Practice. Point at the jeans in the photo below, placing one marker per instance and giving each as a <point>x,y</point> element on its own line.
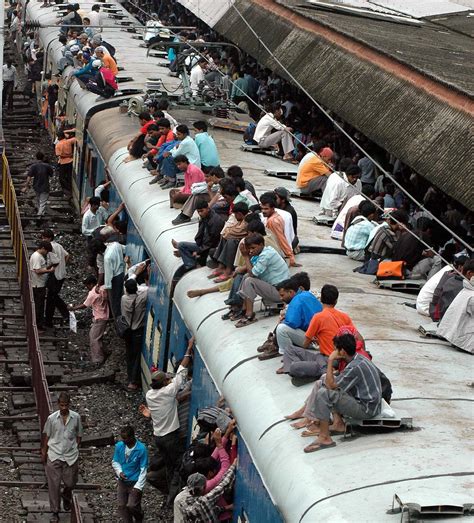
<point>186,250</point>
<point>65,178</point>
<point>54,301</point>
<point>234,297</point>
<point>168,167</point>
<point>133,347</point>
<point>39,295</point>
<point>116,295</point>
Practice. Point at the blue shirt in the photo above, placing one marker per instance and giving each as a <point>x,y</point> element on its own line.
<point>132,462</point>
<point>301,309</point>
<point>207,150</point>
<point>269,266</point>
<point>189,148</point>
<point>357,234</point>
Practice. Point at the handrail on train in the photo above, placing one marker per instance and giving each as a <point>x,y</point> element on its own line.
<point>38,374</point>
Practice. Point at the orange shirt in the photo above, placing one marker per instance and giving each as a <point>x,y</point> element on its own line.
<point>276,224</point>
<point>324,326</point>
<point>65,149</point>
<point>109,62</point>
<point>312,168</point>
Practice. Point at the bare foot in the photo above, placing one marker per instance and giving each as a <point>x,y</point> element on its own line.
<point>176,253</point>
<point>281,370</point>
<point>129,159</point>
<point>301,424</point>
<point>174,243</point>
<point>296,415</point>
<point>194,294</point>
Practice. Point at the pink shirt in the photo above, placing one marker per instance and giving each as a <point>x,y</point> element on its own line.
<point>192,175</point>
<point>98,303</point>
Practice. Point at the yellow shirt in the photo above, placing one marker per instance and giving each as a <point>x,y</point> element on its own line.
<point>312,168</point>
<point>109,62</point>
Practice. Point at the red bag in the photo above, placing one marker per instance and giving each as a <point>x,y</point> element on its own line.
<point>391,270</point>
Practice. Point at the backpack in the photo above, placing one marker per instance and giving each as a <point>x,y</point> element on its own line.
<point>211,418</point>
<point>195,451</point>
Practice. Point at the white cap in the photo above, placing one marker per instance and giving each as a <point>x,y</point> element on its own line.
<point>96,63</point>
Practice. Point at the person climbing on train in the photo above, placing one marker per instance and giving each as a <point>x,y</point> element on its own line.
<point>162,408</point>
<point>186,147</point>
<point>130,464</point>
<point>114,269</point>
<point>64,150</point>
<point>61,437</point>
<point>193,176</point>
<point>355,393</point>
<point>265,268</point>
<point>304,362</point>
<point>95,217</point>
<point>208,236</point>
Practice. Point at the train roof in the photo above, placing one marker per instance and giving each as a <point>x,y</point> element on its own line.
<point>431,380</point>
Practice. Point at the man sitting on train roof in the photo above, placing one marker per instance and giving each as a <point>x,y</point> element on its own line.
<point>104,83</point>
<point>234,172</point>
<point>264,269</point>
<point>136,144</point>
<point>340,186</point>
<point>165,136</point>
<point>102,54</point>
<point>186,147</point>
<point>234,230</point>
<point>301,306</point>
<point>270,132</point>
<point>314,169</point>
<point>301,361</point>
<point>282,196</point>
<point>355,393</point>
<point>206,145</point>
<point>193,178</point>
<point>207,238</point>
<point>212,179</point>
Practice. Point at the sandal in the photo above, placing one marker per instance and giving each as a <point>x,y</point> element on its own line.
<point>222,278</point>
<point>214,274</point>
<point>311,431</point>
<point>313,447</point>
<point>246,320</point>
<point>227,315</point>
<point>236,315</point>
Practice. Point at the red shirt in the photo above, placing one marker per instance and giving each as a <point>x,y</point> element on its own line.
<point>192,175</point>
<point>165,138</point>
<point>144,129</point>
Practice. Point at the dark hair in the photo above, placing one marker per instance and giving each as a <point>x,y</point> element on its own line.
<point>131,286</point>
<point>96,247</point>
<point>163,104</point>
<point>152,127</point>
<point>353,170</point>
<point>255,225</point>
<point>400,216</point>
<point>45,245</point>
<point>206,465</point>
<point>424,223</point>
<point>241,207</point>
<point>239,184</point>
<point>48,233</point>
<point>64,396</point>
<point>145,115</point>
<point>182,129</point>
<point>329,294</point>
<point>268,198</point>
<point>181,158</point>
<point>468,266</point>
<point>94,200</point>
<point>218,172</point>
<point>228,189</point>
<point>302,279</point>
<point>367,208</point>
<point>201,125</point>
<point>105,195</point>
<point>201,204</point>
<point>95,7</point>
<point>128,430</point>
<point>288,285</point>
<point>346,342</point>
<point>317,146</point>
<point>90,280</point>
<point>254,239</point>
<point>275,106</point>
<point>234,171</point>
<point>345,163</point>
<point>60,134</point>
<point>163,122</point>
<point>40,156</point>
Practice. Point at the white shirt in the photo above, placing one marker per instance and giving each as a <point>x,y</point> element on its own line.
<point>9,74</point>
<point>95,19</point>
<point>425,295</point>
<point>173,122</point>
<point>265,126</point>
<point>58,256</point>
<point>163,405</point>
<point>289,230</point>
<point>197,76</point>
<point>38,261</point>
<point>91,221</point>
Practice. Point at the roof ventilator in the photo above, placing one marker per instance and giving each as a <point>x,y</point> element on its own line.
<point>416,511</point>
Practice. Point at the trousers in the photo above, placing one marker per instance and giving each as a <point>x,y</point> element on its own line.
<point>253,287</point>
<point>286,336</point>
<point>304,363</point>
<point>171,450</point>
<point>129,503</point>
<point>133,352</point>
<point>116,295</point>
<point>186,250</point>
<point>65,178</point>
<point>340,402</point>
<point>57,471</point>
<point>315,184</point>
<point>96,333</point>
<point>39,295</point>
<point>54,301</point>
<point>277,137</point>
<point>41,201</point>
<point>190,206</point>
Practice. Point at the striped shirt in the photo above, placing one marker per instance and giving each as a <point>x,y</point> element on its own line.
<point>381,247</point>
<point>361,380</point>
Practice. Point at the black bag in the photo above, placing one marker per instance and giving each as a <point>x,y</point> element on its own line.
<point>122,327</point>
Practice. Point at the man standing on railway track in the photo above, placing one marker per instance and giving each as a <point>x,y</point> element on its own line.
<point>65,152</point>
<point>38,176</point>
<point>39,275</point>
<point>10,81</point>
<point>62,434</point>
